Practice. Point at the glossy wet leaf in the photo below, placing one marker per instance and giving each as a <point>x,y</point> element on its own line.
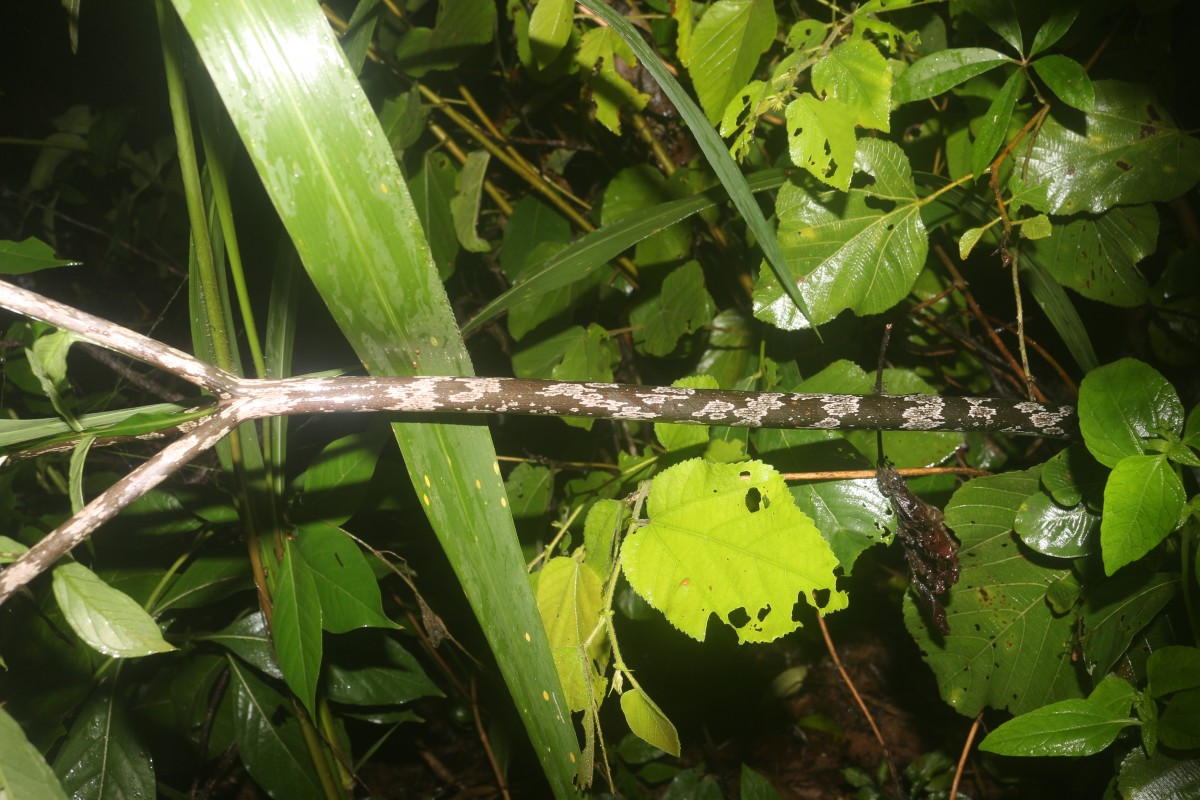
<point>432,190</point>
<point>1127,150</point>
<point>107,620</point>
<point>104,754</point>
<point>1055,530</point>
<point>942,71</point>
<point>269,739</point>
<point>1062,16</point>
<point>1073,476</point>
<point>648,721</point>
<point>1097,256</point>
<point>296,627</point>
<point>1006,647</point>
<point>249,639</point>
<point>1143,500</point>
<point>681,307</point>
<point>726,45</point>
<point>345,587</point>
<point>29,255</point>
<point>1067,78</point>
<point>727,538</point>
<point>24,774</point>
<point>852,515</point>
<point>1123,404</point>
<point>1067,728</point>
<point>207,580</point>
<point>1160,777</point>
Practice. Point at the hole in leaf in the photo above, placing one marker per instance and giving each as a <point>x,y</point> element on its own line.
<point>821,597</point>
<point>879,204</point>
<point>755,500</point>
<point>833,167</point>
<point>738,618</point>
<point>763,612</point>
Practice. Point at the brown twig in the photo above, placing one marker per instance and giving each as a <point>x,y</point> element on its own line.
<point>863,474</point>
<point>487,745</point>
<point>837,662</point>
<point>962,759</point>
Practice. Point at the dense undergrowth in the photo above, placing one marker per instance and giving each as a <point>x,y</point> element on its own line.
<point>732,195</point>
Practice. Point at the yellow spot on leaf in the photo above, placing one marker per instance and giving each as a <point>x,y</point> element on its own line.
<point>545,695</point>
<point>427,481</point>
<point>504,502</point>
<point>496,467</point>
<point>528,638</point>
<point>572,755</point>
<point>425,497</point>
<point>383,188</point>
<point>433,341</point>
<point>478,485</point>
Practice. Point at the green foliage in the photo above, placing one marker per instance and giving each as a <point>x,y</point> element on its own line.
<point>542,167</point>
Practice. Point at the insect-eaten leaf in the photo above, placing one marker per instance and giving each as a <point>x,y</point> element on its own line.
<point>729,539</point>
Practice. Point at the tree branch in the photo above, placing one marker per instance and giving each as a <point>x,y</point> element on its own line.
<point>240,400</point>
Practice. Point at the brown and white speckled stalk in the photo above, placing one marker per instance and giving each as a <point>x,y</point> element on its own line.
<point>239,400</point>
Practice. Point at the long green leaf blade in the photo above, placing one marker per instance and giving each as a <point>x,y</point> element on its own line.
<point>710,144</point>
<point>595,249</point>
<point>326,163</point>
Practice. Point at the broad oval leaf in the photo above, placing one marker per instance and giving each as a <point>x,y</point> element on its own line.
<point>1142,504</point>
<point>726,538</point>
<point>550,29</point>
<point>1055,530</point>
<point>726,45</point>
<point>1097,256</point>
<point>942,71</point>
<point>682,307</point>
<point>1069,728</point>
<point>103,755</point>
<point>345,585</point>
<point>250,640</point>
<point>648,722</point>
<point>1006,647</point>
<point>821,139</point>
<point>1067,78</point>
<point>857,74</point>
<point>570,599</point>
<point>106,619</point>
<point>373,669</point>
<point>1177,726</point>
<point>1116,610</point>
<point>1127,150</point>
<point>29,255</point>
<point>1171,669</point>
<point>851,515</point>
<point>1160,777</point>
<point>269,740</point>
<point>1121,405</point>
<point>861,251</point>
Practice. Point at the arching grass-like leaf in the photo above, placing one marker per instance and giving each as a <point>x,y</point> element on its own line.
<point>327,166</point>
<point>715,152</point>
<point>590,252</point>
